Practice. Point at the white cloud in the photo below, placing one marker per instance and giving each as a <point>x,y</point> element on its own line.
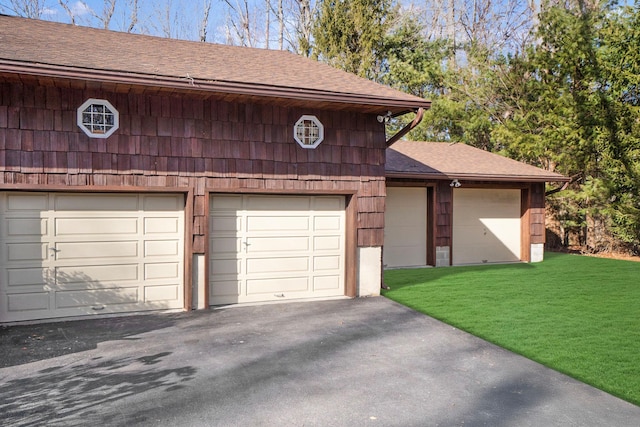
<point>80,8</point>
<point>47,11</point>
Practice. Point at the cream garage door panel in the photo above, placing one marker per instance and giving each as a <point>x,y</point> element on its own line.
<point>78,254</point>
<point>266,248</point>
<point>486,226</point>
<point>405,227</point>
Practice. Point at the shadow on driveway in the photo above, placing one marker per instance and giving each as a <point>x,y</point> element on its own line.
<point>29,343</point>
<point>327,363</point>
<point>84,388</point>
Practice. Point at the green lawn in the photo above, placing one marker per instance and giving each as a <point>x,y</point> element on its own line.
<point>578,315</point>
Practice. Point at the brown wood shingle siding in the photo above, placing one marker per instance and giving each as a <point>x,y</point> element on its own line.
<point>537,213</point>
<point>444,214</point>
<point>180,142</point>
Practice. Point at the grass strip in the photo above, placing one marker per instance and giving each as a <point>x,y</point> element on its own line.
<point>578,315</point>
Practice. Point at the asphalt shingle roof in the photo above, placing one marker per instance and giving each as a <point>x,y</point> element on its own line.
<point>443,160</point>
<point>101,54</point>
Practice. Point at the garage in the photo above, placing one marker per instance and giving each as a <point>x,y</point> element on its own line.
<point>481,207</point>
<point>486,225</point>
<point>405,233</point>
<point>275,247</point>
<point>77,254</point>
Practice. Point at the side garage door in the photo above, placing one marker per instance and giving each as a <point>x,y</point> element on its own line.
<point>267,248</point>
<point>80,254</point>
<point>405,227</point>
<point>486,226</point>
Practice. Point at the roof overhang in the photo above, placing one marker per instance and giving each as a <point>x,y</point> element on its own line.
<point>476,177</point>
<point>219,88</point>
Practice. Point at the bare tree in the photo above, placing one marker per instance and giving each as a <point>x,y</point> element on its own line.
<point>78,8</point>
<point>239,23</point>
<point>280,25</point>
<point>267,24</point>
<point>133,16</point>
<point>204,23</point>
<point>177,19</point>
<point>497,25</point>
<point>279,12</point>
<point>437,16</point>
<point>168,21</point>
<point>299,38</point>
<point>107,13</point>
<point>26,8</point>
<point>79,12</point>
<point>70,12</point>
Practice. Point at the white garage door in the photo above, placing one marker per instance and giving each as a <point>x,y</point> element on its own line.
<point>486,226</point>
<point>405,227</point>
<point>79,254</point>
<point>266,248</point>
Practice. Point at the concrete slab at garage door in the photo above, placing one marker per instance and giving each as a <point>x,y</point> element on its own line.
<point>83,254</point>
<point>405,227</point>
<point>486,226</point>
<point>266,248</point>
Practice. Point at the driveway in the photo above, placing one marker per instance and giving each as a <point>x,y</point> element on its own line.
<point>361,362</point>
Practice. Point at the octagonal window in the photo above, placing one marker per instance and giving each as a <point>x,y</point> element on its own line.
<point>98,118</point>
<point>308,132</point>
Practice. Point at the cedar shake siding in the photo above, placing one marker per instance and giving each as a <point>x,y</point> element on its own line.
<point>537,213</point>
<point>444,212</point>
<point>191,143</point>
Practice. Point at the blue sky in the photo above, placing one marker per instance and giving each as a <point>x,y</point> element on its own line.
<point>182,18</point>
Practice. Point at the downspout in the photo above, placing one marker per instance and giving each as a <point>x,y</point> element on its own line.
<point>402,132</point>
<point>564,186</point>
<point>558,189</point>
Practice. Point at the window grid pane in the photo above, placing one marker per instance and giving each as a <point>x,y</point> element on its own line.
<point>308,132</point>
<point>98,118</point>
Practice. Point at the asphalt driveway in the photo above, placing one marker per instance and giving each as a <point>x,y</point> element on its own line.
<point>362,362</point>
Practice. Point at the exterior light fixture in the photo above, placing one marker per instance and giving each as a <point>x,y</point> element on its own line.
<point>385,118</point>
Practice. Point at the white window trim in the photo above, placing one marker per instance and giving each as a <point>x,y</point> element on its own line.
<point>300,122</point>
<point>104,103</point>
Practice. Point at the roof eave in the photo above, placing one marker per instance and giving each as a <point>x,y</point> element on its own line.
<point>398,106</point>
<point>477,177</point>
